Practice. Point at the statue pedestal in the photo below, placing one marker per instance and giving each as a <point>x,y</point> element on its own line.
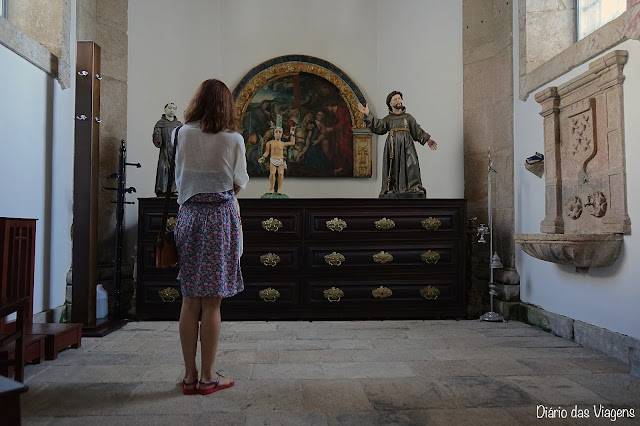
<point>269,195</point>
<point>403,195</point>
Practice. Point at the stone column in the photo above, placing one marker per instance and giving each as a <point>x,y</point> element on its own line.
<point>550,102</point>
<point>617,221</point>
<point>488,123</point>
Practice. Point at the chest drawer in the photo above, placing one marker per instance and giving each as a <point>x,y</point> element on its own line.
<point>382,292</point>
<point>279,224</point>
<point>270,260</point>
<point>150,223</point>
<point>409,223</point>
<point>383,258</point>
<point>268,294</point>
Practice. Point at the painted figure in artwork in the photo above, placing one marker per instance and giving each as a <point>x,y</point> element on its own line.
<point>343,137</point>
<point>302,139</point>
<point>275,149</point>
<point>257,122</point>
<point>400,168</point>
<point>162,139</point>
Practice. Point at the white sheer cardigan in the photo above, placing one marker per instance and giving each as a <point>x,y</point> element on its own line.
<point>208,162</point>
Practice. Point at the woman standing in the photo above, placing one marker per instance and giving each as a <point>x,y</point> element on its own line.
<point>211,169</point>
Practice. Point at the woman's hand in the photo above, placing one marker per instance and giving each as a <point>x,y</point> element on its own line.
<point>236,188</point>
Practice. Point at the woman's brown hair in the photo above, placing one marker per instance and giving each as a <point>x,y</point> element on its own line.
<point>213,106</point>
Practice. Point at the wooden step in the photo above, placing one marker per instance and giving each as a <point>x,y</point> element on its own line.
<point>34,352</point>
<point>59,336</point>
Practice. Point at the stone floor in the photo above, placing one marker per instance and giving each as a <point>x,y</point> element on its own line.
<point>335,373</point>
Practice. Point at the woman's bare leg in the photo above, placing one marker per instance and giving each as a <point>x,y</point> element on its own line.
<point>188,327</point>
<point>209,336</point>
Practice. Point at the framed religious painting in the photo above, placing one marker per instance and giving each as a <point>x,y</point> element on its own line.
<point>315,104</point>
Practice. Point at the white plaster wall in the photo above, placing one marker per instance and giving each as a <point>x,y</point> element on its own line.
<point>605,297</point>
<point>410,45</point>
<point>36,166</point>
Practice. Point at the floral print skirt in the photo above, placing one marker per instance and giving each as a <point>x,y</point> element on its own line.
<point>207,234</point>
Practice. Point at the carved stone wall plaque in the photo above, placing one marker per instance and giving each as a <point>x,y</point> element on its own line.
<point>585,169</point>
<point>584,149</point>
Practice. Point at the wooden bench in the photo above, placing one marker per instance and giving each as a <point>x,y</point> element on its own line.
<point>17,259</point>
<point>17,337</point>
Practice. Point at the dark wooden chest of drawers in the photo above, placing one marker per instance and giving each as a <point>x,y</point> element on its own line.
<point>329,259</point>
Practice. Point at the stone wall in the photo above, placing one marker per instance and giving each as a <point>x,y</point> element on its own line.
<point>488,123</point>
<point>39,31</point>
<point>550,29</point>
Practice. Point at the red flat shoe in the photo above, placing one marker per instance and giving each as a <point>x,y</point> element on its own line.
<point>189,391</point>
<point>216,385</point>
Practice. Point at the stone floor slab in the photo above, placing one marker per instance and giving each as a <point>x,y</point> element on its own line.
<point>555,390</point>
<point>471,417</point>
<point>480,392</point>
<point>408,394</point>
<point>503,367</point>
<point>77,399</point>
<point>615,388</point>
<point>331,396</point>
<point>446,368</point>
<point>366,370</point>
<point>279,418</point>
<point>294,345</point>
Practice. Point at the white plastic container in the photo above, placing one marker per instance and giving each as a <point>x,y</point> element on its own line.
<point>102,302</point>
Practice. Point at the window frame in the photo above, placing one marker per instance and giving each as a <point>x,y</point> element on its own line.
<point>604,38</point>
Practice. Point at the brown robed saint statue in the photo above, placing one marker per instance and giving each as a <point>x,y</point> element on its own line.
<point>400,169</point>
<point>162,139</point>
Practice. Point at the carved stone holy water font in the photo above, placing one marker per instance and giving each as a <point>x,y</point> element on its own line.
<point>585,175</point>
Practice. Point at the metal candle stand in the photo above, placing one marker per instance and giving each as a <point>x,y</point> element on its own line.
<point>120,175</point>
<point>494,259</point>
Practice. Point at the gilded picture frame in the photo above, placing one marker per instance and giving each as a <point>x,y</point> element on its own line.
<point>316,99</point>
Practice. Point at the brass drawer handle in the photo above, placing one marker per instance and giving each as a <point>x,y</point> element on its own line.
<point>269,259</point>
<point>383,257</point>
<point>430,257</point>
<point>430,292</point>
<point>336,225</point>
<point>171,224</point>
<point>334,259</point>
<point>333,294</point>
<point>431,223</point>
<point>385,224</point>
<point>169,294</point>
<point>381,292</point>
<point>271,225</point>
<point>269,294</point>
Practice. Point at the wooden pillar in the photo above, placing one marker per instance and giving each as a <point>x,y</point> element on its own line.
<point>85,183</point>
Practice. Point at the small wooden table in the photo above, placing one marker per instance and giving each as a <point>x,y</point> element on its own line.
<point>10,391</point>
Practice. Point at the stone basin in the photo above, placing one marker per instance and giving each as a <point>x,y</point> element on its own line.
<point>583,251</point>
